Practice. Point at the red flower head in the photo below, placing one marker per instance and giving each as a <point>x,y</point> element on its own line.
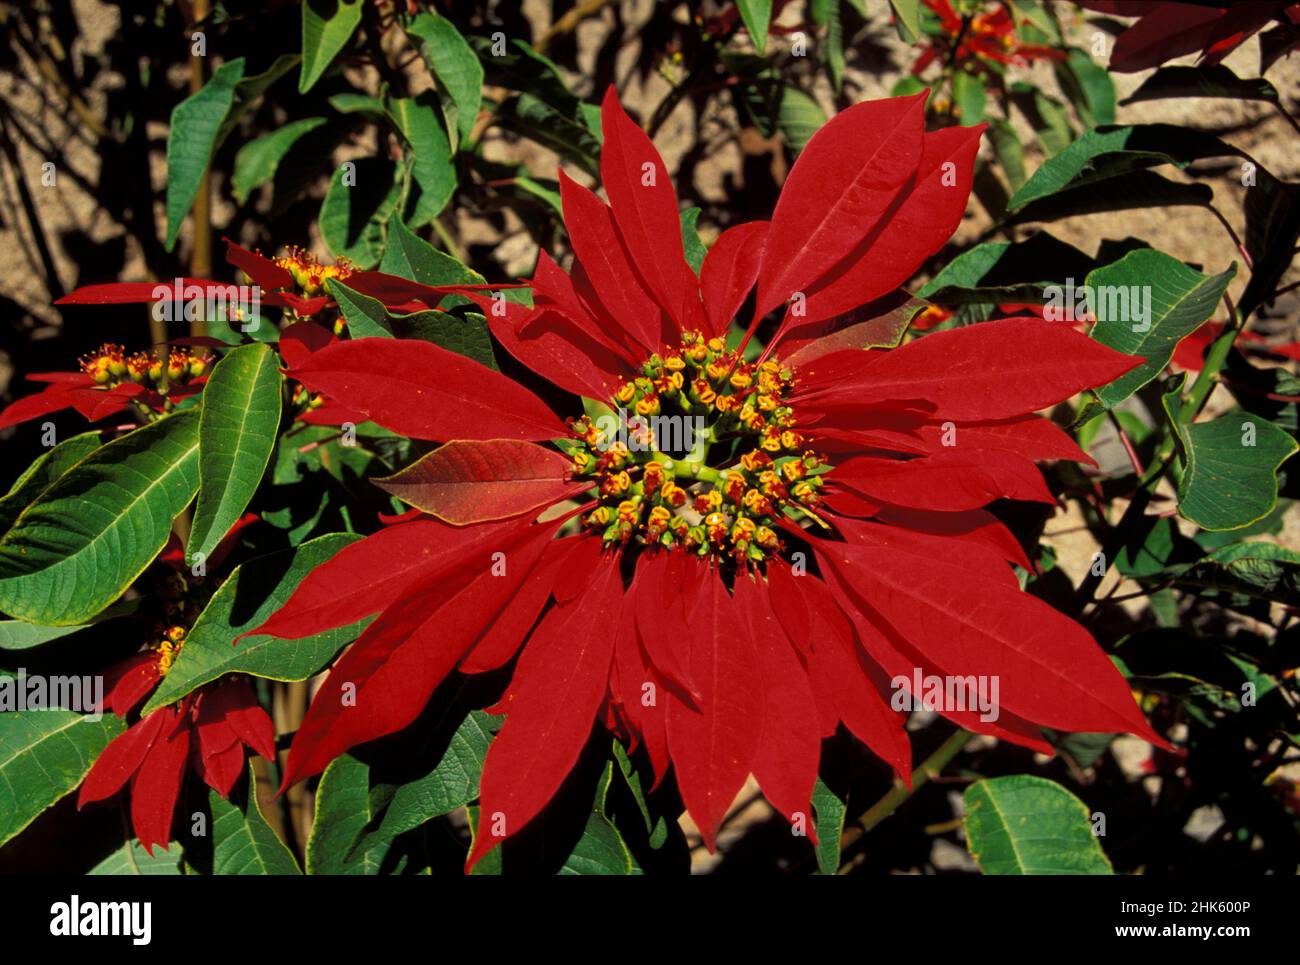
<point>209,730</point>
<point>978,39</point>
<point>728,595</point>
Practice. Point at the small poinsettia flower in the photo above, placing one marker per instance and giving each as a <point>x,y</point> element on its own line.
<point>978,38</point>
<point>110,380</point>
<point>206,732</point>
<point>1169,29</point>
<point>734,552</point>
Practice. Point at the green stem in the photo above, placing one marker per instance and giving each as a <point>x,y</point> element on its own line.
<point>929,769</point>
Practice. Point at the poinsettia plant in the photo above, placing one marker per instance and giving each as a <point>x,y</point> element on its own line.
<point>371,551</point>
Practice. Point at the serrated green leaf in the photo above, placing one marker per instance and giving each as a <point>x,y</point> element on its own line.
<point>132,859</point>
<point>327,26</point>
<point>352,217</point>
<point>1026,825</point>
<point>191,139</point>
<point>1230,475</point>
<point>1123,150</point>
<point>43,756</point>
<point>257,161</point>
<point>452,61</point>
<point>242,842</point>
<point>268,581</point>
<point>237,429</point>
<point>1178,298</point>
<point>85,540</point>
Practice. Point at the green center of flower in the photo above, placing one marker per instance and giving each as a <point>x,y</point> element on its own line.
<point>700,452</point>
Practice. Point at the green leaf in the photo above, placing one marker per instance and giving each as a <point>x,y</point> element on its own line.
<point>541,121</point>
<point>242,842</point>
<point>452,61</point>
<point>251,593</point>
<point>656,825</point>
<point>410,256</point>
<point>43,756</point>
<point>42,473</point>
<point>1258,569</point>
<point>799,118</point>
<point>600,850</point>
<point>327,26</point>
<point>1025,825</point>
<point>237,429</point>
<point>250,89</point>
<point>1089,87</point>
<point>1272,232</point>
<point>357,821</point>
<point>367,318</point>
<point>907,19</point>
<point>86,539</point>
<point>1009,151</point>
<point>257,161</point>
<point>830,811</point>
<point>1178,298</point>
<point>432,172</point>
<point>1124,150</point>
<point>1120,191</point>
<point>132,859</point>
<point>191,139</point>
<point>757,15</point>
<point>695,250</point>
<point>1046,115</point>
<point>19,635</point>
<point>1207,80</point>
<point>1230,475</point>
<point>969,96</point>
<point>352,217</point>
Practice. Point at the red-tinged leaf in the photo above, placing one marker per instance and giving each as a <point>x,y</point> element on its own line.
<point>157,785</point>
<point>575,573</point>
<point>558,687</point>
<point>554,289</point>
<point>878,324</point>
<point>847,504</point>
<point>1031,436</point>
<point>384,680</point>
<point>641,195</point>
<point>1050,670</point>
<point>424,391</point>
<point>655,597</point>
<point>123,757</point>
<point>59,395</point>
<point>975,525</point>
<point>785,765</point>
<point>993,370</point>
<point>365,577</point>
<point>971,555</point>
<point>466,482</point>
<point>136,292</point>
<point>713,747</point>
<point>644,694</point>
<point>1169,30</point>
<point>264,272</point>
<point>394,290</point>
<point>503,639</point>
<point>922,224</point>
<point>558,351</point>
<point>301,339</point>
<point>951,480</point>
<point>843,186</point>
<point>615,290</point>
<point>729,271</point>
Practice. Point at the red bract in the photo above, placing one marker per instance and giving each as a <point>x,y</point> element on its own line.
<point>208,730</point>
<point>728,599</point>
<point>989,36</point>
<point>1168,29</point>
